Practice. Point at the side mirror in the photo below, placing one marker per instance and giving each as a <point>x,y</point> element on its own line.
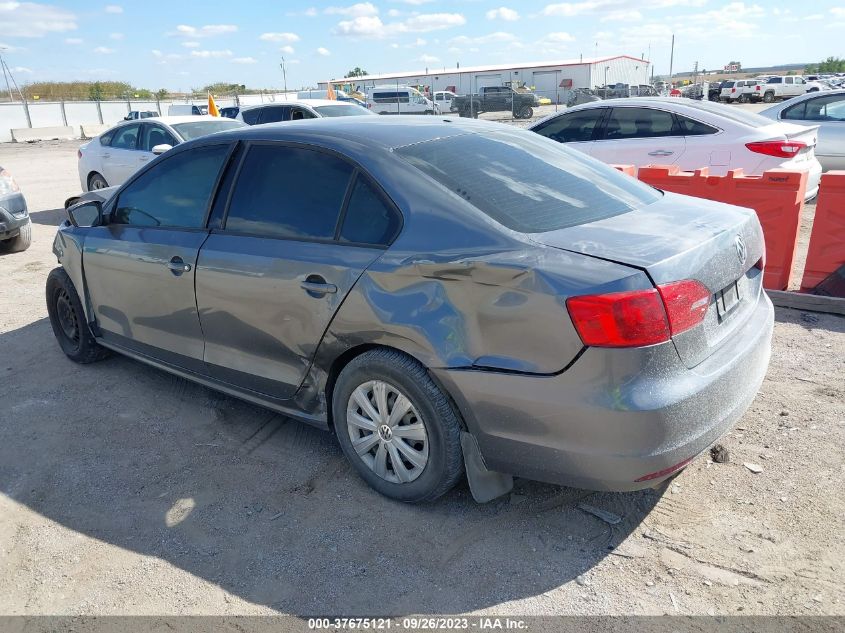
<point>86,214</point>
<point>160,149</point>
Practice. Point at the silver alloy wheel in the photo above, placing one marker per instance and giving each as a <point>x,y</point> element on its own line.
<point>387,432</point>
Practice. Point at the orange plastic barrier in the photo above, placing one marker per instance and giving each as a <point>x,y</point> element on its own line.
<point>630,170</point>
<point>826,252</point>
<point>777,196</point>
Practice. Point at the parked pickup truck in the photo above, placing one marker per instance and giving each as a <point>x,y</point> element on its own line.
<point>497,99</point>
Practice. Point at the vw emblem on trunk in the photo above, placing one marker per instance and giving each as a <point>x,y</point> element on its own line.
<point>741,252</point>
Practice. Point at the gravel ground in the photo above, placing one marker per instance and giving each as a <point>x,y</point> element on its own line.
<point>125,490</point>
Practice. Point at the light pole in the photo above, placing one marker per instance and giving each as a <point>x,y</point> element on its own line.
<point>606,68</point>
<point>284,74</point>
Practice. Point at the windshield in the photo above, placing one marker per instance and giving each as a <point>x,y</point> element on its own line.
<point>196,129</point>
<point>341,110</point>
<point>526,182</point>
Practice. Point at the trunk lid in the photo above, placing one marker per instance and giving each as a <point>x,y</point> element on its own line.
<point>679,238</point>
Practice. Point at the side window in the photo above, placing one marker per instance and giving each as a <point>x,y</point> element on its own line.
<point>788,80</point>
<point>106,137</point>
<point>572,127</point>
<point>368,219</point>
<point>126,137</point>
<point>153,135</point>
<point>288,192</point>
<point>830,108</point>
<point>274,114</point>
<point>299,114</point>
<point>173,193</point>
<point>796,112</point>
<point>638,123</point>
<point>690,127</point>
<point>776,80</point>
<point>800,80</point>
<point>250,117</point>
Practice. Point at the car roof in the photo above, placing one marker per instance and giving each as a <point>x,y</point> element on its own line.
<point>308,102</point>
<point>355,135</point>
<point>777,107</point>
<point>172,120</point>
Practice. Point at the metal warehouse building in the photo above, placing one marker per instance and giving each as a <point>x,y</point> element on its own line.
<point>549,79</point>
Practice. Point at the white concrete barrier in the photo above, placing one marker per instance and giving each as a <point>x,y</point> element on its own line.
<point>90,130</point>
<point>24,134</point>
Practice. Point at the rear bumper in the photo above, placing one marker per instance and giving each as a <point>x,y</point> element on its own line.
<point>13,215</point>
<point>615,415</point>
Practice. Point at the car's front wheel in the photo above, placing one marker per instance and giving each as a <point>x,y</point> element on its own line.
<point>20,242</point>
<point>68,320</point>
<point>397,428</point>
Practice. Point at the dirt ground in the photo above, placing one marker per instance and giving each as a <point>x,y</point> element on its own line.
<point>124,490</point>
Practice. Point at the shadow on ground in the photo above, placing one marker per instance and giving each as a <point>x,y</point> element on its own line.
<point>266,507</point>
<point>51,217</point>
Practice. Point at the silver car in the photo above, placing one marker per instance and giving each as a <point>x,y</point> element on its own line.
<point>447,295</point>
<point>827,110</point>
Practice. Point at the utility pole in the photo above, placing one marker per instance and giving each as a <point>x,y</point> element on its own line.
<point>671,60</point>
<point>5,76</point>
<point>284,74</point>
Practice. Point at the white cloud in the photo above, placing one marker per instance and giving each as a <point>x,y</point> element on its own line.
<point>571,9</point>
<point>191,44</point>
<point>115,36</point>
<point>373,27</point>
<point>428,59</point>
<point>499,37</point>
<point>358,10</point>
<point>623,15</point>
<point>103,50</point>
<point>157,53</point>
<point>838,12</point>
<point>502,13</point>
<point>560,36</point>
<point>74,40</point>
<point>30,19</point>
<point>324,52</point>
<point>244,60</point>
<point>287,50</point>
<point>394,13</point>
<point>211,54</point>
<point>209,30</point>
<point>416,2</point>
<point>113,8</point>
<point>21,69</point>
<point>279,37</point>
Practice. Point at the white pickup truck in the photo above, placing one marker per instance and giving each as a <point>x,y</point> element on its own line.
<point>783,88</point>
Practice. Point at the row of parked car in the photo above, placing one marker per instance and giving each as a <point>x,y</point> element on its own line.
<point>769,88</point>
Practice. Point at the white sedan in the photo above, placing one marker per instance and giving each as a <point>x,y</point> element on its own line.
<point>686,133</point>
<point>113,156</point>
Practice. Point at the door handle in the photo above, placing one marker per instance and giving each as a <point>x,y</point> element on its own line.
<point>661,152</point>
<point>177,266</point>
<point>316,286</point>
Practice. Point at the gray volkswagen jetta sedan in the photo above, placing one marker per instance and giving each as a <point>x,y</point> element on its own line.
<point>447,295</point>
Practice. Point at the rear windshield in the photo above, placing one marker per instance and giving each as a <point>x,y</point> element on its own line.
<point>728,84</point>
<point>526,182</point>
<point>196,129</point>
<point>733,113</point>
<point>341,110</point>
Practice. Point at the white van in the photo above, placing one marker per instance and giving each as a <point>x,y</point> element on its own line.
<point>186,109</point>
<point>399,100</point>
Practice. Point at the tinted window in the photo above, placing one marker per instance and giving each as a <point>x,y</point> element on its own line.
<point>831,108</point>
<point>572,127</point>
<point>342,110</point>
<point>368,220</point>
<point>196,129</point>
<point>775,80</point>
<point>300,114</point>
<point>126,137</point>
<point>174,192</point>
<point>274,114</point>
<point>156,135</point>
<point>690,127</point>
<point>796,112</point>
<point>638,123</point>
<point>728,84</point>
<point>526,183</point>
<point>788,80</point>
<point>106,137</point>
<point>250,117</point>
<point>288,192</point>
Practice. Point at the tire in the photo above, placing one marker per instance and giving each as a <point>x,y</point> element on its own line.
<point>743,99</point>
<point>464,113</point>
<point>526,112</point>
<point>436,441</point>
<point>68,320</point>
<point>20,242</point>
<point>769,97</point>
<point>96,181</point>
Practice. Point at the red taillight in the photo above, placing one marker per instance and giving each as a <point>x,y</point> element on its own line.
<point>781,149</point>
<point>639,317</point>
<point>686,304</point>
<point>733,89</point>
<point>757,87</point>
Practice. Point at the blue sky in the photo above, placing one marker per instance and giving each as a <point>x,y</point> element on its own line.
<point>188,43</point>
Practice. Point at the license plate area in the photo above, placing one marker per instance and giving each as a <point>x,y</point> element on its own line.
<point>727,299</point>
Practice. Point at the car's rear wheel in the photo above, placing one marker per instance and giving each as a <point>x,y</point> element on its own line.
<point>67,319</point>
<point>526,112</point>
<point>397,428</point>
<point>96,181</point>
<point>769,97</point>
<point>20,242</point>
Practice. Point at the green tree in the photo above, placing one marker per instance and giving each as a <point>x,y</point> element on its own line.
<point>95,91</point>
<point>356,72</point>
<point>162,93</point>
